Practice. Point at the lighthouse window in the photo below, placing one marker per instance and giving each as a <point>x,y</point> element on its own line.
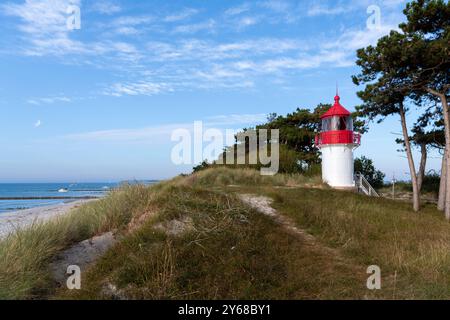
<point>326,124</point>
<point>342,124</point>
<point>337,123</point>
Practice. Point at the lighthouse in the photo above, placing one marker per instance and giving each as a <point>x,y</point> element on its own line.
<point>337,142</point>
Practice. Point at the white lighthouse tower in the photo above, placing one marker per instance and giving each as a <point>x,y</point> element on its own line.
<point>337,142</point>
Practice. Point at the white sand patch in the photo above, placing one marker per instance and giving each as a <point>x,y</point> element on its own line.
<point>82,254</point>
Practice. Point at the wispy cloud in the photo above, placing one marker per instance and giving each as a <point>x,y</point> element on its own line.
<point>237,119</point>
<point>276,5</point>
<point>185,14</point>
<point>140,88</point>
<point>49,100</point>
<point>321,9</point>
<point>45,23</point>
<point>207,26</point>
<point>133,20</point>
<point>106,7</point>
<point>149,134</point>
<point>233,11</point>
<point>37,124</point>
<point>190,52</point>
<point>247,21</point>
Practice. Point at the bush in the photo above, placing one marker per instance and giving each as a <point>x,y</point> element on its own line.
<point>366,167</point>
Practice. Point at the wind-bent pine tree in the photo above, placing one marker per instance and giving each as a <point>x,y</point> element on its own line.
<point>410,65</point>
<point>385,94</point>
<point>428,50</point>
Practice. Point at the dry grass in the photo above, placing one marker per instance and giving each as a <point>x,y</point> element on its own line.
<point>230,251</point>
<point>223,176</point>
<point>413,248</point>
<point>25,255</point>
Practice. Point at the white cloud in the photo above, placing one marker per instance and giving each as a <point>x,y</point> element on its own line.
<point>247,21</point>
<point>279,6</point>
<point>185,60</point>
<point>38,124</point>
<point>45,25</point>
<point>149,134</point>
<point>139,88</point>
<point>237,10</point>
<point>353,39</point>
<point>237,119</point>
<point>185,14</point>
<point>133,20</point>
<point>49,100</point>
<point>127,30</point>
<point>106,7</point>
<point>319,10</point>
<point>196,50</point>
<point>208,26</point>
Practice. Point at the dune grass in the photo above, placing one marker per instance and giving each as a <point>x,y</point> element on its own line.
<point>199,241</point>
<point>412,249</point>
<point>25,254</point>
<point>222,176</point>
<point>225,250</point>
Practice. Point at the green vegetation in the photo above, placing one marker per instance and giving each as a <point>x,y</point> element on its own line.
<point>365,166</point>
<point>409,68</point>
<point>25,254</point>
<point>412,250</point>
<point>403,189</point>
<point>221,249</point>
<point>193,238</point>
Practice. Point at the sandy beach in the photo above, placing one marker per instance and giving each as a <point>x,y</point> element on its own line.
<point>24,218</point>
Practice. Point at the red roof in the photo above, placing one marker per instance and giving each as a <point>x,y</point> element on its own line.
<point>336,110</point>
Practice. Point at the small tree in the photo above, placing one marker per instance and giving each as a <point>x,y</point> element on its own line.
<point>366,167</point>
<point>202,166</point>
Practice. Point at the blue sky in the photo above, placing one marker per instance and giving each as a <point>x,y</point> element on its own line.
<point>100,103</point>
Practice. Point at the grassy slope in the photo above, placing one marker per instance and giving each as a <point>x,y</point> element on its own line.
<point>25,255</point>
<point>228,250</point>
<point>412,250</point>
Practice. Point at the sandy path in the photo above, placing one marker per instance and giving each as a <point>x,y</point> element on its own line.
<point>24,218</point>
<point>263,205</point>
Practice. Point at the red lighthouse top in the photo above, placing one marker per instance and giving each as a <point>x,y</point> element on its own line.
<point>336,110</point>
<point>337,127</point>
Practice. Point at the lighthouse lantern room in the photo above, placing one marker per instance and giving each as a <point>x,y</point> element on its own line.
<point>337,142</point>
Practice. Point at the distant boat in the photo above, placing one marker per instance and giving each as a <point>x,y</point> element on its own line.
<point>105,187</point>
<point>63,190</point>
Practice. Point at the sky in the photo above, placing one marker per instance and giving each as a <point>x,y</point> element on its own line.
<point>98,100</point>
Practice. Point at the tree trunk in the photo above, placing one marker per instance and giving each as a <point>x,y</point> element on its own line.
<point>422,167</point>
<point>412,167</point>
<point>443,98</point>
<point>443,183</point>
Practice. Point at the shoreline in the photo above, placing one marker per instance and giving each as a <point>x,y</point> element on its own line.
<point>11,221</point>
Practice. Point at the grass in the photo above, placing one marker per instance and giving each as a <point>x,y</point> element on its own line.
<point>229,251</point>
<point>223,176</point>
<point>199,241</point>
<point>25,254</point>
<point>412,249</point>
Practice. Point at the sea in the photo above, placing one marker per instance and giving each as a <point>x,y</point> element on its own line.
<point>19,196</point>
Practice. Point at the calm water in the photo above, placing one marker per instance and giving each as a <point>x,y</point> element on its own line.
<point>46,192</point>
